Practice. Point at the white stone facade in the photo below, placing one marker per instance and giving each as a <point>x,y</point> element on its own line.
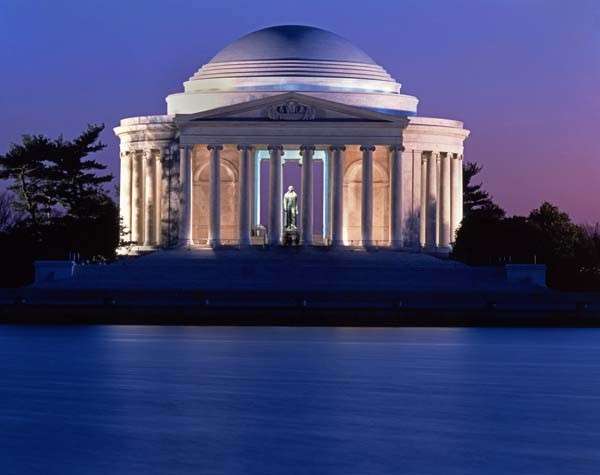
<point>191,177</point>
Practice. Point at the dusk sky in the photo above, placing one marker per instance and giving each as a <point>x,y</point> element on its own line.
<point>523,75</point>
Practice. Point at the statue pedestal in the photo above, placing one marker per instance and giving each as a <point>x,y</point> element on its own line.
<point>291,237</point>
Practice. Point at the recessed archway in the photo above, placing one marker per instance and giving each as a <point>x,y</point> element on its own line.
<point>229,200</point>
<point>353,205</point>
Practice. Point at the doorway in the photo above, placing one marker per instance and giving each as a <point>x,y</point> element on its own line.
<point>292,175</point>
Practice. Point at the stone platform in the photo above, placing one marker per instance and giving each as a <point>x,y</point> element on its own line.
<point>286,269</point>
<point>294,286</point>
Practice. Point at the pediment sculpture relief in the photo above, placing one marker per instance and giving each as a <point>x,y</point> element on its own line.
<point>290,110</point>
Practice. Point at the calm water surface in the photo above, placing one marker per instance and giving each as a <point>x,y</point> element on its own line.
<point>117,399</point>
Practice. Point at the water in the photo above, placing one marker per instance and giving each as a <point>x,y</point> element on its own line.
<point>110,399</point>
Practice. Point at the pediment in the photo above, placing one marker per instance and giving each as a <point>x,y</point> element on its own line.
<point>288,107</point>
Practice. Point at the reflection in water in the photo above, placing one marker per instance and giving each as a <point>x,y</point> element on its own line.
<point>118,399</point>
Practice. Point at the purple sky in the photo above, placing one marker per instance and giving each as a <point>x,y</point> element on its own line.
<point>524,75</point>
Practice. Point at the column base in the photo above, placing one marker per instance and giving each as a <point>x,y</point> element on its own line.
<point>437,250</point>
<point>146,247</point>
<point>184,243</point>
<point>396,245</point>
<point>336,244</point>
<point>125,250</point>
<point>412,247</point>
<point>136,249</point>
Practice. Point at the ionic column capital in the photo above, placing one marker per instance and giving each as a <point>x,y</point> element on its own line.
<point>367,148</point>
<point>396,148</point>
<point>306,148</point>
<point>275,148</point>
<point>215,147</point>
<point>337,148</point>
<point>165,153</point>
<point>245,147</point>
<point>147,154</point>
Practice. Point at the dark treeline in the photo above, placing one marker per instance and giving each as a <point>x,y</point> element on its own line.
<point>546,236</point>
<point>55,204</point>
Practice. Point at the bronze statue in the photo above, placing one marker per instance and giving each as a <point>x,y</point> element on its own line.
<point>290,209</point>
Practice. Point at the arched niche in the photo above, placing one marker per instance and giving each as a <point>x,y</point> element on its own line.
<point>353,205</point>
<point>229,199</point>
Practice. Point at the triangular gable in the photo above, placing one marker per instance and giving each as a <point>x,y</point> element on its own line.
<point>287,107</point>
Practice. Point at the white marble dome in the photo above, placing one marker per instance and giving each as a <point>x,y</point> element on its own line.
<point>291,58</point>
<point>292,42</point>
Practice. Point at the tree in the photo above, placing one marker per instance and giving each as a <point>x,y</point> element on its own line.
<point>59,202</point>
<point>587,257</point>
<point>7,215</point>
<point>560,234</point>
<point>77,184</point>
<point>27,166</point>
<point>547,236</point>
<point>89,223</point>
<point>474,198</point>
<point>478,234</point>
<point>561,241</point>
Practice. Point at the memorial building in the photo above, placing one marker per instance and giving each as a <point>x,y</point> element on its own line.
<point>291,106</point>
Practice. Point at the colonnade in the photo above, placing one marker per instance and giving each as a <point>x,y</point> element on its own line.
<point>140,195</point>
<point>440,178</point>
<point>441,199</point>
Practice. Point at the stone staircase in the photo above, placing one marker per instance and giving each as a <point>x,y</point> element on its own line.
<point>286,269</point>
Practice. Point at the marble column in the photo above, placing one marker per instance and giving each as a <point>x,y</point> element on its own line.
<point>367,195</point>
<point>256,188</point>
<point>251,192</point>
<point>307,152</point>
<point>396,217</point>
<point>457,193</point>
<point>125,197</point>
<point>136,199</point>
<point>187,188</point>
<point>172,196</point>
<point>161,193</point>
<point>275,194</point>
<point>445,202</point>
<point>326,197</point>
<point>337,195</point>
<point>410,197</point>
<point>214,215</point>
<point>149,197</point>
<point>245,194</point>
<point>423,200</point>
<point>432,201</point>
